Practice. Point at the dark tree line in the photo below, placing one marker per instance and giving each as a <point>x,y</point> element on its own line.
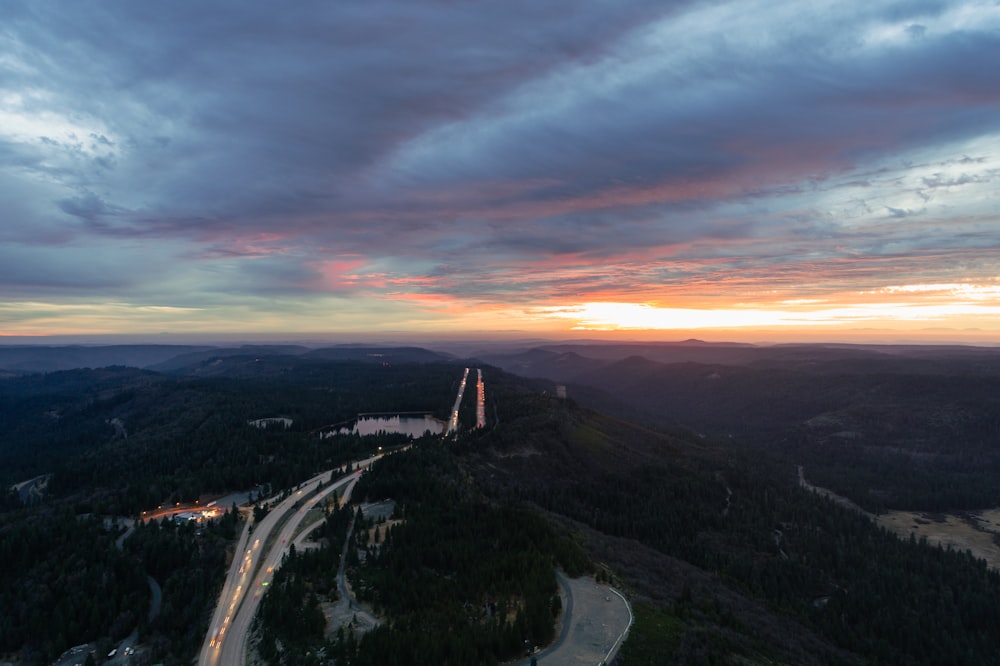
<point>64,582</point>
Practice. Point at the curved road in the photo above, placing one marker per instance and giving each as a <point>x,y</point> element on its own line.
<point>252,569</point>
<point>155,604</point>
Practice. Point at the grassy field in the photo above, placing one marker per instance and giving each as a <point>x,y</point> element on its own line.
<point>975,531</point>
<point>978,532</point>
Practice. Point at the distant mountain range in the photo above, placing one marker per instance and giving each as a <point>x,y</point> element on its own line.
<point>536,358</point>
<point>24,359</point>
<point>566,361</point>
<point>888,426</point>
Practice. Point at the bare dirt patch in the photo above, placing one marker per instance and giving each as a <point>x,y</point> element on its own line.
<point>348,614</point>
<point>382,530</point>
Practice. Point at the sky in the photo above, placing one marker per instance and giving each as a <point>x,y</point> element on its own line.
<point>724,170</point>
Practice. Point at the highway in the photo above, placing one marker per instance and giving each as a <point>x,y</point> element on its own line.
<point>32,489</point>
<point>480,400</point>
<point>453,422</point>
<point>258,554</point>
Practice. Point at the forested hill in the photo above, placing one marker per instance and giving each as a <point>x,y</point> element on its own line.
<point>27,359</point>
<point>51,358</point>
<point>116,441</point>
<point>133,437</point>
<point>912,428</point>
<point>725,555</point>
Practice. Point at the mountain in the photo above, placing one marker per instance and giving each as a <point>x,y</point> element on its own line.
<point>890,427</point>
<point>45,358</point>
<point>564,361</point>
<point>195,357</point>
<point>378,354</point>
<point>23,359</point>
<point>719,547</point>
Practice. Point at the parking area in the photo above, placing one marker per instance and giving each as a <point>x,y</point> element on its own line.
<point>595,624</point>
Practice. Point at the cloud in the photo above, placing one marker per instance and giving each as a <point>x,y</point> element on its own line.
<point>495,152</point>
<point>88,207</point>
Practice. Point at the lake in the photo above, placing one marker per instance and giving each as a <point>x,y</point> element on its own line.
<point>414,426</point>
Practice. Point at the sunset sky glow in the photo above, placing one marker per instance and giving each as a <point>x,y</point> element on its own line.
<point>738,170</point>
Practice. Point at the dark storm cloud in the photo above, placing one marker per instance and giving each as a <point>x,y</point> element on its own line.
<point>259,104</point>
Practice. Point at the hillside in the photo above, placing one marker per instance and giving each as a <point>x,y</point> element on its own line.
<point>728,550</point>
<point>890,427</point>
<point>23,359</point>
<point>723,555</point>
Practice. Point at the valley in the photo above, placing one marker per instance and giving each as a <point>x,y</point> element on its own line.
<point>975,531</point>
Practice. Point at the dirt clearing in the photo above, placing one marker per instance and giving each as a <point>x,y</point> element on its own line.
<point>977,531</point>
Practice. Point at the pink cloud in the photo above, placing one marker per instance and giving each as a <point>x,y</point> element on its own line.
<point>340,274</point>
